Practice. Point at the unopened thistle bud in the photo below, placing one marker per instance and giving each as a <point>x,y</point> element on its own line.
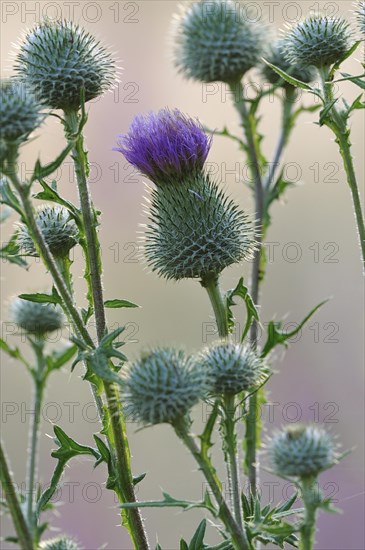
<point>301,451</point>
<point>277,57</point>
<point>232,368</point>
<point>360,16</point>
<point>36,318</point>
<point>194,230</point>
<point>318,40</point>
<point>162,386</point>
<point>58,229</point>
<point>59,543</point>
<point>58,59</point>
<point>20,114</point>
<point>215,41</point>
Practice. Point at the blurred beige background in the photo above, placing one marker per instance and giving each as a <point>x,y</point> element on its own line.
<point>315,255</point>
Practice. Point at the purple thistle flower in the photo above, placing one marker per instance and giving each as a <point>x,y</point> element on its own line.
<point>165,146</point>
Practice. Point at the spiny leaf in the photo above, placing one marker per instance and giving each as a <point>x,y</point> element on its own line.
<point>196,542</point>
<point>10,252</point>
<point>50,194</point>
<point>242,292</point>
<point>323,115</point>
<point>68,448</point>
<point>40,298</point>
<point>99,364</point>
<point>119,303</point>
<point>59,358</point>
<point>293,81</point>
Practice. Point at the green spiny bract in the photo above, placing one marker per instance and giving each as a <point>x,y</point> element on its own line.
<point>232,368</point>
<point>360,16</point>
<point>58,229</point>
<point>20,114</point>
<point>301,451</point>
<point>162,386</point>
<point>58,59</point>
<point>318,40</point>
<point>36,318</point>
<point>195,231</point>
<point>214,41</point>
<point>276,57</point>
<point>59,543</point>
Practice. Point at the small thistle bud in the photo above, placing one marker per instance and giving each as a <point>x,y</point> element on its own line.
<point>276,57</point>
<point>318,40</point>
<point>194,230</point>
<point>360,16</point>
<point>232,368</point>
<point>59,543</point>
<point>301,451</point>
<point>36,318</point>
<point>20,114</point>
<point>162,386</point>
<point>58,229</point>
<point>215,41</point>
<point>58,59</point>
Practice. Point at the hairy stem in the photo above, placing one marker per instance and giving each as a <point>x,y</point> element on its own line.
<point>309,490</point>
<point>232,455</point>
<point>211,285</point>
<point>20,524</point>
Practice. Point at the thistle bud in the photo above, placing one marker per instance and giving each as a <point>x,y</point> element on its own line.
<point>20,114</point>
<point>36,318</point>
<point>301,451</point>
<point>277,57</point>
<point>194,230</point>
<point>215,41</point>
<point>162,386</point>
<point>360,16</point>
<point>232,368</point>
<point>58,229</point>
<point>58,59</point>
<point>59,543</point>
<point>318,40</point>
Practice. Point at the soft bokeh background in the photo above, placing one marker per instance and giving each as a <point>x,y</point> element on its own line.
<point>315,256</point>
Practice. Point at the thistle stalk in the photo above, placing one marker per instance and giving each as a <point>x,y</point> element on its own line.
<point>309,490</point>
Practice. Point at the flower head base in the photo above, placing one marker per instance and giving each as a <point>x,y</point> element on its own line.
<point>195,231</point>
<point>232,368</point>
<point>36,318</point>
<point>277,57</point>
<point>20,114</point>
<point>301,451</point>
<point>360,16</point>
<point>58,59</point>
<point>162,386</point>
<point>58,229</point>
<point>59,543</point>
<point>215,41</point>
<point>318,40</point>
<point>165,146</point>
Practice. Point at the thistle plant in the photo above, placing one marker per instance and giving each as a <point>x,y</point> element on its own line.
<point>194,230</point>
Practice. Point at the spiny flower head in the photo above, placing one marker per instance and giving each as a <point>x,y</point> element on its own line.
<point>318,40</point>
<point>301,451</point>
<point>232,368</point>
<point>59,58</point>
<point>58,229</point>
<point>59,543</point>
<point>165,146</point>
<point>20,113</point>
<point>195,231</point>
<point>162,386</point>
<point>36,318</point>
<point>215,41</point>
<point>360,16</point>
<point>277,57</point>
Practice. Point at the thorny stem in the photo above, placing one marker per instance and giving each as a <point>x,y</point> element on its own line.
<point>20,524</point>
<point>118,425</point>
<point>232,455</point>
<point>211,285</point>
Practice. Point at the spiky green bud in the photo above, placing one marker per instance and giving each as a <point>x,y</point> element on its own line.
<point>195,230</point>
<point>36,318</point>
<point>20,114</point>
<point>318,40</point>
<point>277,57</point>
<point>301,451</point>
<point>360,16</point>
<point>232,368</point>
<point>215,41</point>
<point>59,543</point>
<point>58,229</point>
<point>162,386</point>
<point>59,58</point>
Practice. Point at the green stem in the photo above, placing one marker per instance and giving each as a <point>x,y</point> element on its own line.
<point>121,455</point>
<point>239,537</point>
<point>309,490</point>
<point>229,425</point>
<point>20,524</point>
<point>211,285</point>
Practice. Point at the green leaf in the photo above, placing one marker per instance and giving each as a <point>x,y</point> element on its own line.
<point>349,52</point>
<point>356,104</point>
<point>358,80</point>
<point>183,545</point>
<point>206,436</point>
<point>41,172</point>
<point>8,197</point>
<point>277,337</point>
<point>290,79</point>
<point>167,502</point>
<point>12,352</point>
<point>119,303</point>
<point>10,252</point>
<point>241,291</point>
<point>108,339</point>
<point>59,358</point>
<point>50,194</point>
<point>68,448</point>
<point>41,298</point>
<point>323,115</point>
<point>196,542</point>
<point>99,364</point>
<point>138,479</point>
